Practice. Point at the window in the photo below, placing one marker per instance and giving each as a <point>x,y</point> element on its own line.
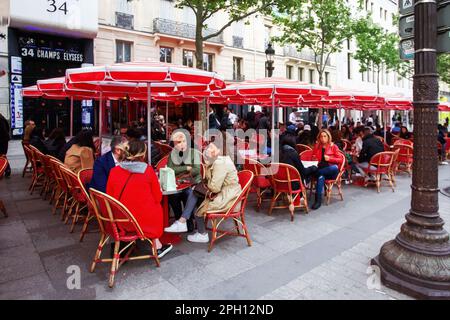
<point>362,76</point>
<point>237,69</point>
<point>289,72</point>
<point>385,15</point>
<point>300,74</point>
<point>348,44</point>
<point>123,51</point>
<point>327,79</point>
<point>311,76</point>
<point>349,65</point>
<point>371,7</point>
<point>381,13</point>
<point>165,54</point>
<point>208,61</point>
<point>387,77</point>
<point>267,35</point>
<point>188,58</point>
<point>367,5</point>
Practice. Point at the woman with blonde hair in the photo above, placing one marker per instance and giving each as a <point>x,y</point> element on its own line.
<point>328,155</point>
<point>134,183</point>
<point>222,184</point>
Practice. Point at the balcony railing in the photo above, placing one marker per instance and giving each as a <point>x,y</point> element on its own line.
<point>181,29</point>
<point>238,42</point>
<point>305,54</point>
<point>238,77</point>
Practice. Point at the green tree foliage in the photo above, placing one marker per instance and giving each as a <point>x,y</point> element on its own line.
<point>236,10</point>
<point>320,25</point>
<point>443,66</point>
<point>377,49</point>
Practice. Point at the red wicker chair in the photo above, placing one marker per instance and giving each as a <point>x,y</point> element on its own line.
<point>84,177</point>
<point>405,157</point>
<point>302,147</point>
<point>62,192</point>
<point>28,168</point>
<point>380,164</point>
<point>236,213</point>
<point>261,182</point>
<point>282,177</point>
<point>3,166</point>
<point>162,163</point>
<point>329,184</point>
<point>112,216</point>
<point>38,177</point>
<point>79,199</point>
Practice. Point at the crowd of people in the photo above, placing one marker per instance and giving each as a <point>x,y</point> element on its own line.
<point>124,172</point>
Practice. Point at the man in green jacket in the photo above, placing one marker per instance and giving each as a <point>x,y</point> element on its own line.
<point>186,163</point>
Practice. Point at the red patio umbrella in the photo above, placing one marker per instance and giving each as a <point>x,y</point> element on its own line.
<point>141,78</point>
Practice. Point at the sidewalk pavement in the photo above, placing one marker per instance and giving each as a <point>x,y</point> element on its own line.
<point>321,255</point>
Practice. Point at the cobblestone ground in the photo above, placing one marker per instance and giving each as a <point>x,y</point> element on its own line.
<point>321,255</point>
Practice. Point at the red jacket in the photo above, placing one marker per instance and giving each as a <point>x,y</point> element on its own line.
<point>331,150</point>
<point>142,196</point>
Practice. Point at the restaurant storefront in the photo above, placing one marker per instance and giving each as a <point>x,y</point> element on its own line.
<point>44,39</point>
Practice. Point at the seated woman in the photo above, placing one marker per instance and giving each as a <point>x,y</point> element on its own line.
<point>222,182</point>
<point>186,163</point>
<point>81,153</point>
<point>134,183</point>
<point>327,153</point>
<point>404,133</point>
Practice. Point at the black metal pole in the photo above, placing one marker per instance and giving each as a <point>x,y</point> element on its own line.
<point>417,262</point>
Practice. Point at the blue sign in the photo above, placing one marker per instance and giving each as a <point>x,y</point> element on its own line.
<point>87,114</point>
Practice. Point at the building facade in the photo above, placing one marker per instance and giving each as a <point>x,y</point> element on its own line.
<point>42,39</point>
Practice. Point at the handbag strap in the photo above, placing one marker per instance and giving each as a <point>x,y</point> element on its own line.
<point>124,186</point>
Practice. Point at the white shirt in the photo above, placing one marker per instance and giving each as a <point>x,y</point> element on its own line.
<point>232,117</point>
<point>358,145</point>
<point>295,117</point>
<point>115,160</point>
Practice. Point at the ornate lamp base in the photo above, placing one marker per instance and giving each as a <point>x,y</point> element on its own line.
<point>419,275</point>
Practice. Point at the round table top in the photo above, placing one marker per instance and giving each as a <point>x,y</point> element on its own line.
<point>180,188</point>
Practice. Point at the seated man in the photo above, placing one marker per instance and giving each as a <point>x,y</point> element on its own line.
<point>186,164</point>
<point>105,163</point>
<point>371,146</point>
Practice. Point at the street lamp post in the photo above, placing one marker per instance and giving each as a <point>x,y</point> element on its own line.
<point>270,52</point>
<point>417,261</point>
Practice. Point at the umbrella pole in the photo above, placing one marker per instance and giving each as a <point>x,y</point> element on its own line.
<point>71,116</point>
<point>149,122</point>
<point>340,116</point>
<point>100,120</point>
<point>272,146</point>
<point>167,121</point>
<point>384,124</point>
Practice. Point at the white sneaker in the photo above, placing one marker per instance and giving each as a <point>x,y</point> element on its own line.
<point>198,237</point>
<point>177,227</point>
<point>444,163</point>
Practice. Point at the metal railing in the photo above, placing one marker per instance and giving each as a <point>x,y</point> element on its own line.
<point>181,29</point>
<point>238,42</point>
<point>305,54</point>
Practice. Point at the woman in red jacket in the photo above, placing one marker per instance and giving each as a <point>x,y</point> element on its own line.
<point>328,155</point>
<point>134,183</point>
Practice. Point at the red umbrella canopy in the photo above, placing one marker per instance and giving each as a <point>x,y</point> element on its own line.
<point>136,75</point>
<point>261,91</point>
<point>444,106</point>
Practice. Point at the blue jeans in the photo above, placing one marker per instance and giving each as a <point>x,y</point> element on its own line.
<point>328,173</point>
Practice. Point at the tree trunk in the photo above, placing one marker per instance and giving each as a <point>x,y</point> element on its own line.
<point>202,112</point>
<point>320,115</point>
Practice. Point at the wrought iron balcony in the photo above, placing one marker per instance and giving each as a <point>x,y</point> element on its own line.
<point>238,42</point>
<point>305,54</point>
<point>238,77</point>
<point>181,29</point>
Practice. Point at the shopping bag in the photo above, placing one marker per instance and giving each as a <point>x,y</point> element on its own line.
<point>167,179</point>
